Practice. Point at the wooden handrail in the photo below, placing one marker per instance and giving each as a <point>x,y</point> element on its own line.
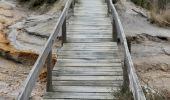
<point>46,54</point>
<point>134,85</point>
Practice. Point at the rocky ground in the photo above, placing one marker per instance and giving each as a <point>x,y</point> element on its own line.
<point>23,33</point>
<point>150,47</point>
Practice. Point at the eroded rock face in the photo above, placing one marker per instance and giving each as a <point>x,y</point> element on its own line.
<point>151,58</point>
<point>32,33</point>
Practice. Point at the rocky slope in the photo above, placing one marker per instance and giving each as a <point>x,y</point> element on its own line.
<point>150,47</point>
<point>23,34</point>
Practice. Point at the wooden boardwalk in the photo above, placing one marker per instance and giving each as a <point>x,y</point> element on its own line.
<point>88,65</point>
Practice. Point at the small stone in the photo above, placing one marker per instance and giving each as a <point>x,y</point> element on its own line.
<point>164,67</point>
<point>166,50</point>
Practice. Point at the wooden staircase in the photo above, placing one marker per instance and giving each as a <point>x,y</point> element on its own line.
<point>88,65</point>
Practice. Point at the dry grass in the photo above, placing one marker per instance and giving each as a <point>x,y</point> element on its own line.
<point>162,19</point>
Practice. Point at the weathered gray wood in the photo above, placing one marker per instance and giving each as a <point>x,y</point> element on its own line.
<point>94,69</point>
<point>87,73</point>
<point>135,86</point>
<point>89,48</point>
<point>49,72</point>
<point>109,83</point>
<point>88,66</point>
<point>89,60</point>
<point>64,32</point>
<point>83,96</point>
<point>92,44</point>
<point>29,83</point>
<point>89,78</point>
<point>84,89</point>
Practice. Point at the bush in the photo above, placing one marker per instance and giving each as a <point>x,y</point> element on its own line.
<point>160,13</point>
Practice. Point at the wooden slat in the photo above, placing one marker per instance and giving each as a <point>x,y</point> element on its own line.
<point>82,96</point>
<point>87,73</point>
<point>89,60</point>
<point>89,78</point>
<point>88,64</point>
<point>84,89</point>
<point>89,83</point>
<point>92,44</point>
<point>89,68</point>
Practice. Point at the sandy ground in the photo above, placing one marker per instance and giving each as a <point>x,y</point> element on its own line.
<point>150,52</point>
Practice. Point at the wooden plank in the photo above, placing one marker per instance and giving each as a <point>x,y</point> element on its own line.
<point>86,57</point>
<point>113,52</point>
<point>83,96</point>
<point>90,18</point>
<point>89,78</point>
<point>86,53</point>
<point>89,40</point>
<point>87,73</point>
<point>89,28</point>
<point>94,69</point>
<point>92,44</point>
<point>90,23</point>
<point>84,89</point>
<point>89,60</point>
<point>88,47</point>
<point>88,64</point>
<point>90,33</point>
<point>88,83</point>
<point>96,54</point>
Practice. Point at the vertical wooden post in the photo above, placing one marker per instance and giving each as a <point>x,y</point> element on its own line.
<point>125,74</point>
<point>64,32</point>
<point>129,44</point>
<point>49,72</point>
<point>114,31</point>
<point>72,7</point>
<point>108,7</point>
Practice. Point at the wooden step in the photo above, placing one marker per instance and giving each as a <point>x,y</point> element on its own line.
<point>79,96</point>
<point>84,89</point>
<point>88,83</point>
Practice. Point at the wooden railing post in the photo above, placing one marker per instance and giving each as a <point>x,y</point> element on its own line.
<point>49,72</point>
<point>108,7</point>
<point>64,32</point>
<point>129,44</point>
<point>72,7</point>
<point>114,31</point>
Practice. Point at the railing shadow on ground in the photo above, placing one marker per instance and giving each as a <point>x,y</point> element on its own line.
<point>119,35</point>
